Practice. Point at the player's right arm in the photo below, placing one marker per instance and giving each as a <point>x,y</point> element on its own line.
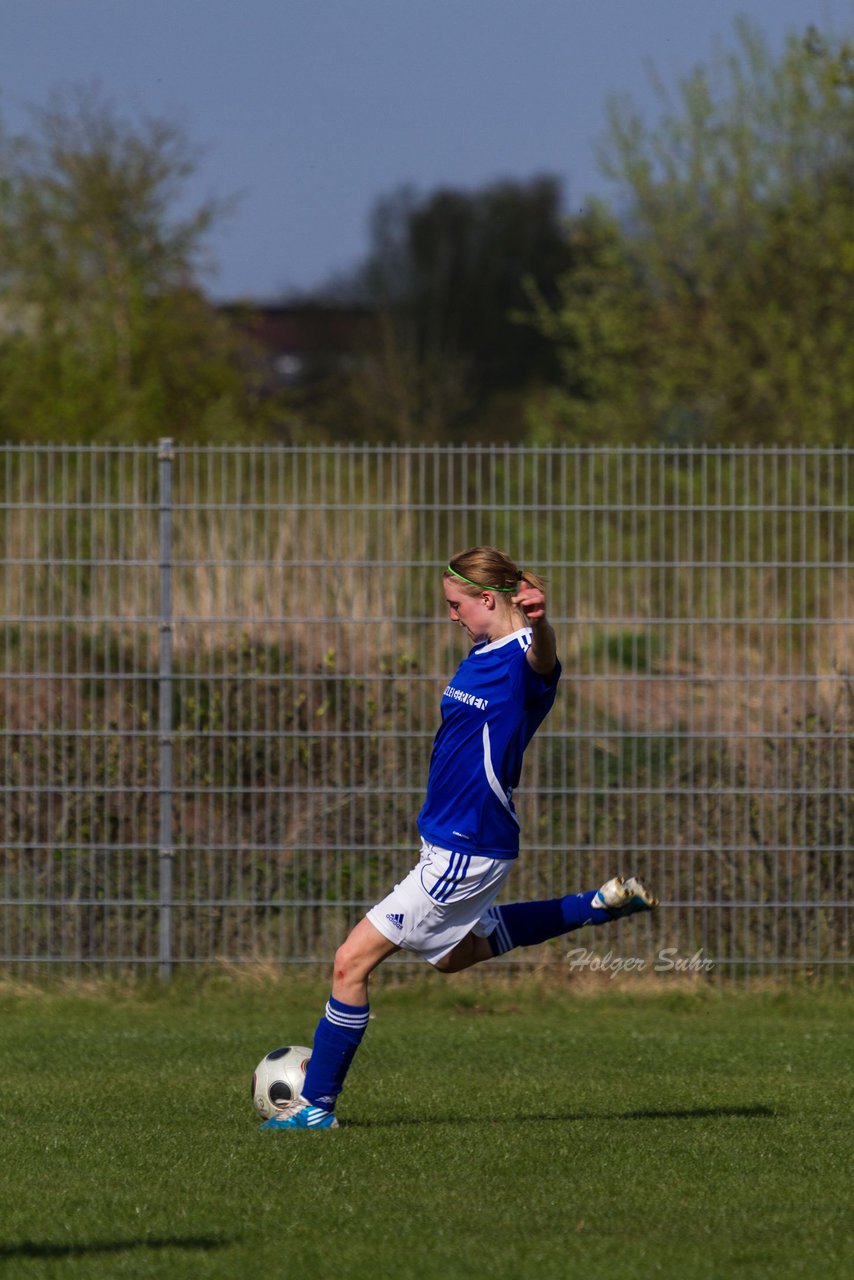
<point>542,655</point>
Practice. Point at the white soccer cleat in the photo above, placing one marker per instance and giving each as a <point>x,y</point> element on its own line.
<point>623,897</point>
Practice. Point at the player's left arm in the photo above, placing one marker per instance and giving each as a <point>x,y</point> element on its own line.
<point>542,655</point>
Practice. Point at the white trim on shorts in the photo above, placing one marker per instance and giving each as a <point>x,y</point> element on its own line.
<point>441,901</point>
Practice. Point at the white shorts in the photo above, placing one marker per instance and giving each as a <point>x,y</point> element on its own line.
<point>442,900</point>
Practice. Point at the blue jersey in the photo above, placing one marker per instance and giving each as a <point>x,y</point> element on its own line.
<point>491,709</point>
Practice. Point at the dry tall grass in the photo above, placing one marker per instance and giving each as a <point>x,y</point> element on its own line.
<point>704,730</point>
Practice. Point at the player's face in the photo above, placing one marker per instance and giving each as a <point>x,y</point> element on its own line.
<point>477,614</point>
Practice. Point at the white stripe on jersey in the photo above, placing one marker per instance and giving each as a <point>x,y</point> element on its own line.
<point>494,784</point>
<point>522,637</point>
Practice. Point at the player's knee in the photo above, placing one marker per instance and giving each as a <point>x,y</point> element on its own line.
<point>472,950</point>
<point>351,963</point>
<point>461,957</point>
<point>343,965</point>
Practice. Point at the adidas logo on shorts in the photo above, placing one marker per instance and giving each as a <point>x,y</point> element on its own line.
<point>397,920</point>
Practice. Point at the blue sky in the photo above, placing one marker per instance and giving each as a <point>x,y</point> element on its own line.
<point>308,110</point>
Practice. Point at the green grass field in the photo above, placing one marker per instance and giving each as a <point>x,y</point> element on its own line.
<point>487,1131</point>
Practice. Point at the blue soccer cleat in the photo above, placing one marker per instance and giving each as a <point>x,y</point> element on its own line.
<point>300,1114</point>
<point>623,897</point>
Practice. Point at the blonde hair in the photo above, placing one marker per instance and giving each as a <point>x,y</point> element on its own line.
<point>488,569</point>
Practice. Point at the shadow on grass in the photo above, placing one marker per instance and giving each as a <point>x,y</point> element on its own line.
<point>687,1113</point>
<point>700,1113</point>
<point>42,1249</point>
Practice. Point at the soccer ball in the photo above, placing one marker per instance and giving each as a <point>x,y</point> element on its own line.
<point>279,1078</point>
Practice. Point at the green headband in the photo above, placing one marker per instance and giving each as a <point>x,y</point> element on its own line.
<point>482,586</point>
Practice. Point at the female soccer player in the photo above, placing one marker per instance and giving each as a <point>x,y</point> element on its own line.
<point>443,910</point>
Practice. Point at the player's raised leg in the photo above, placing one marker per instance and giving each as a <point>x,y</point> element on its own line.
<point>526,924</point>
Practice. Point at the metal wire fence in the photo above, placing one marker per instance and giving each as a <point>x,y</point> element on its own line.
<point>222,669</point>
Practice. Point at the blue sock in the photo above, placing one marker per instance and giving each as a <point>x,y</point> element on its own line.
<point>338,1036</point>
<point>524,924</point>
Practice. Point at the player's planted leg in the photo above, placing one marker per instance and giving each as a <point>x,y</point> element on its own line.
<point>339,1032</point>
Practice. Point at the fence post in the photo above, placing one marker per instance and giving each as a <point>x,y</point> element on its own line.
<point>166,852</point>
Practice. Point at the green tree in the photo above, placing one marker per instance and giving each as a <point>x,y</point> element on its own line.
<point>722,304</point>
<point>602,334</point>
<point>446,277</point>
<point>104,330</point>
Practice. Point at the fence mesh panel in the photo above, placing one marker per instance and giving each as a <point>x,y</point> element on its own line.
<point>222,670</point>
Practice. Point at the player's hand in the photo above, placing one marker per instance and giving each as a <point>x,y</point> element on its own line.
<point>532,602</point>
